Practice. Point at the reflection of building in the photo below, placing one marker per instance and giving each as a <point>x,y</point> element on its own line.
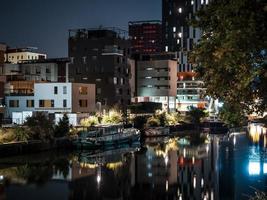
<point>156,80</point>
<point>145,36</point>
<point>18,55</point>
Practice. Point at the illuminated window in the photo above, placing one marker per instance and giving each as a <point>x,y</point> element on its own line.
<point>180,34</point>
<point>192,2</point>
<point>13,103</point>
<point>180,10</point>
<point>83,103</point>
<point>43,103</point>
<point>30,103</point>
<point>115,80</point>
<point>83,90</point>
<point>254,168</point>
<point>166,48</point>
<point>174,29</point>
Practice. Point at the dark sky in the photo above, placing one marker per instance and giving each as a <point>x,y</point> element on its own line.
<point>45,23</point>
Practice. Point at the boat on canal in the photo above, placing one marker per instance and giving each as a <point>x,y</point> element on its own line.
<point>106,136</point>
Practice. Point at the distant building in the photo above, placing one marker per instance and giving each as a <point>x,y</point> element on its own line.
<point>100,56</point>
<point>156,80</point>
<point>179,37</point>
<point>145,36</point>
<point>2,82</point>
<point>17,55</point>
<point>51,70</point>
<point>53,98</point>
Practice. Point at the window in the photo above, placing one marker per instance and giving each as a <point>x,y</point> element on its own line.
<point>98,91</point>
<point>38,70</point>
<point>46,103</point>
<point>47,70</point>
<point>64,89</point>
<point>30,103</point>
<point>55,90</point>
<point>83,103</point>
<point>166,48</point>
<point>180,10</point>
<point>115,80</point>
<point>83,90</point>
<point>84,60</point>
<point>64,103</point>
<point>13,103</point>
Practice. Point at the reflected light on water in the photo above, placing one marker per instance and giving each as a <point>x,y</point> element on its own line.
<point>255,131</point>
<point>265,168</point>
<point>254,168</point>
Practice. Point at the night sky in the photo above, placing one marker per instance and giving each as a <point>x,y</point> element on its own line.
<point>45,23</point>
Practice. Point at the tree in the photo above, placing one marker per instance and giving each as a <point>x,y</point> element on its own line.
<point>195,115</point>
<point>231,55</point>
<point>40,127</point>
<point>232,115</point>
<point>63,127</point>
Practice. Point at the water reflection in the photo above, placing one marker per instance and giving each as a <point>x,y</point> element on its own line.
<point>161,169</point>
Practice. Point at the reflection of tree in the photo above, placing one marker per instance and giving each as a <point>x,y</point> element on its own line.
<point>37,173</point>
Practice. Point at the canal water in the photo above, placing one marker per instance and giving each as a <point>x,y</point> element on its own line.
<point>163,168</point>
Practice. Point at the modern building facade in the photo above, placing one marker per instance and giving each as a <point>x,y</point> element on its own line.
<point>17,55</point>
<point>53,98</point>
<point>156,80</point>
<point>145,36</point>
<point>49,70</point>
<point>179,37</point>
<point>2,80</point>
<point>100,56</point>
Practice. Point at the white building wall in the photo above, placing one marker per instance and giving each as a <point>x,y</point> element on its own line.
<point>45,91</point>
<point>22,104</point>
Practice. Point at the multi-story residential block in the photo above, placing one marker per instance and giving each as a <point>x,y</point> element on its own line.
<point>2,82</point>
<point>100,56</point>
<point>179,36</point>
<point>17,55</point>
<point>53,98</point>
<point>64,97</point>
<point>156,80</point>
<point>145,36</point>
<point>51,70</point>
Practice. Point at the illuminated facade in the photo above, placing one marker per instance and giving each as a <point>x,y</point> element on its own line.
<point>156,80</point>
<point>145,36</point>
<point>179,37</point>
<point>17,55</point>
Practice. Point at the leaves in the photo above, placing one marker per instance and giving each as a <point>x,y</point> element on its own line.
<point>228,57</point>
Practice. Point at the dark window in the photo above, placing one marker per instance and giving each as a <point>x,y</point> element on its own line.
<point>64,103</point>
<point>55,90</point>
<point>30,103</point>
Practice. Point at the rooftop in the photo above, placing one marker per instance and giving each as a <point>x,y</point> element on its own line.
<point>98,32</point>
<point>144,22</point>
<point>23,49</point>
<point>50,60</point>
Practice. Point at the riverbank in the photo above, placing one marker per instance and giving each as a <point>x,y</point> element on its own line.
<point>33,146</point>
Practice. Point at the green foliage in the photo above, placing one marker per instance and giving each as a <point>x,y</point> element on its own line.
<point>21,134</point>
<point>231,55</point>
<point>90,121</point>
<point>17,134</point>
<point>40,127</point>
<point>112,117</point>
<point>153,122</point>
<point>63,127</point>
<point>234,116</point>
<point>195,115</point>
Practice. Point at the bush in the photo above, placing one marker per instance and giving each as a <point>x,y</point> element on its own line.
<point>153,122</point>
<point>113,117</point>
<point>90,121</point>
<point>63,127</point>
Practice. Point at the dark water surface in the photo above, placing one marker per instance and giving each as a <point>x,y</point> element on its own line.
<point>231,169</point>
